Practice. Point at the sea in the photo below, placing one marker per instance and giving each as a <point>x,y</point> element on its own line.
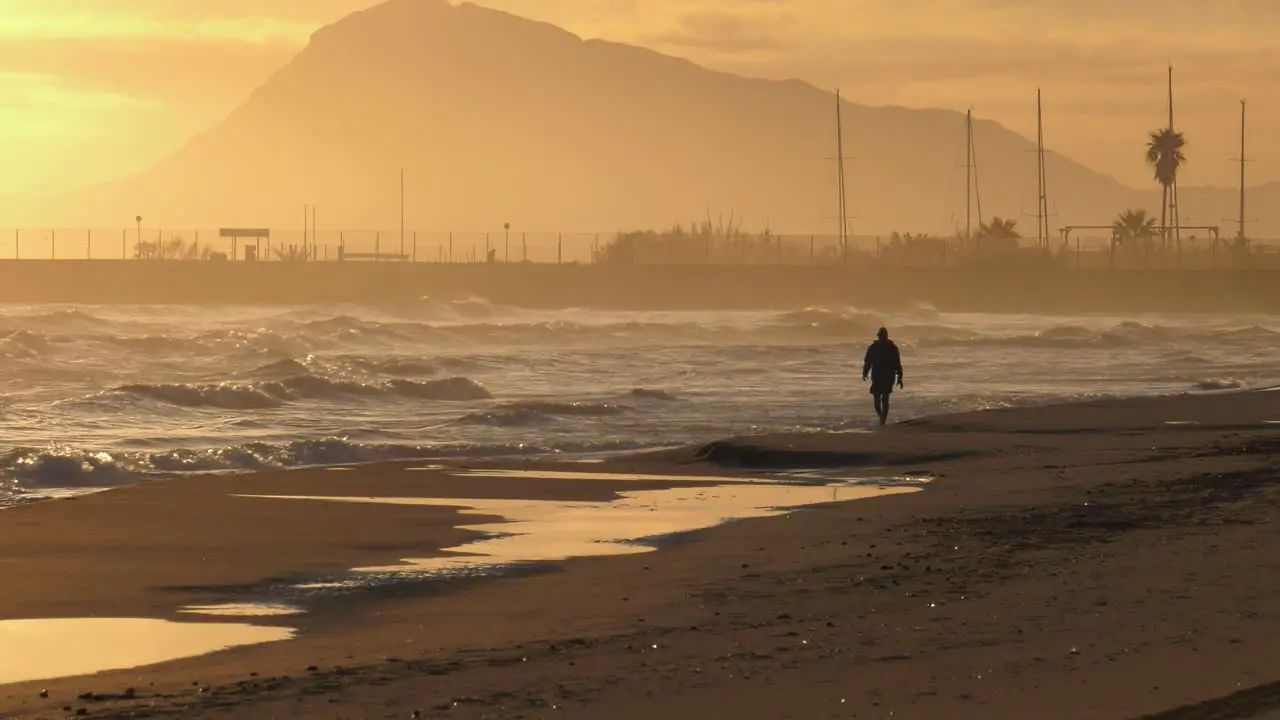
<point>101,396</point>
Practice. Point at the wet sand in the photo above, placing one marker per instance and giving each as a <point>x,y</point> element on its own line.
<point>1086,561</point>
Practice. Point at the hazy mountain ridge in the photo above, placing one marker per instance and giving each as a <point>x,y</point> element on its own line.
<point>496,118</point>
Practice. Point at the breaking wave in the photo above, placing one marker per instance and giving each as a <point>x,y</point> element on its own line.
<point>1125,334</point>
<point>276,393</point>
<point>108,395</point>
<point>1218,384</point>
<point>29,468</point>
<point>538,412</point>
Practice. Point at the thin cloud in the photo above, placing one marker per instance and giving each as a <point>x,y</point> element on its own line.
<point>258,30</point>
<point>729,32</point>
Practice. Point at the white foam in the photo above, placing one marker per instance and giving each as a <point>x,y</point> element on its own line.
<point>26,497</point>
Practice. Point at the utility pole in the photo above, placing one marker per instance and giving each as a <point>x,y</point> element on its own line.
<point>402,211</point>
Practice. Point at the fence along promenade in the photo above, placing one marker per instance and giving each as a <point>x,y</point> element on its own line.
<point>501,246</point>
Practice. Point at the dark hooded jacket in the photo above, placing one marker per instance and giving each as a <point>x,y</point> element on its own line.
<point>883,362</point>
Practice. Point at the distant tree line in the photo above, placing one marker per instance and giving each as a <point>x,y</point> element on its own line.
<point>708,242</point>
<point>175,248</point>
<point>726,242</point>
<point>178,248</point>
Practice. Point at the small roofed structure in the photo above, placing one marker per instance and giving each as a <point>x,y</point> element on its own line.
<point>257,235</point>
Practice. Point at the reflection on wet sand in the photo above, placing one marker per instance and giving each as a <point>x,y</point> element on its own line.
<point>42,649</point>
<point>534,531</point>
<point>603,476</point>
<point>247,609</point>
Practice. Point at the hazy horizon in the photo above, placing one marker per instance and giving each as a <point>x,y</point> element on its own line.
<point>95,95</point>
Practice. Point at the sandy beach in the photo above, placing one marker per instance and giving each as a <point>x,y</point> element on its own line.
<point>1114,559</point>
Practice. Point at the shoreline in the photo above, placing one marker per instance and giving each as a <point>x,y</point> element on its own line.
<point>20,495</point>
<point>796,601</point>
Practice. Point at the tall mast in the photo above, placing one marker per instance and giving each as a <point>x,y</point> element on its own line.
<point>968,174</point>
<point>1243,160</point>
<point>1042,205</point>
<point>973,170</point>
<point>1173,192</point>
<point>844,227</point>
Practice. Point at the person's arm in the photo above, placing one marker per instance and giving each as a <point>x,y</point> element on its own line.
<point>897,361</point>
<point>866,363</point>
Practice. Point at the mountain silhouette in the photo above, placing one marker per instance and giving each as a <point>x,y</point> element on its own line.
<point>495,118</point>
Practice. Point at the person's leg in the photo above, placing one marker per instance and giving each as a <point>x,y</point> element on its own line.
<point>884,405</point>
<point>877,399</point>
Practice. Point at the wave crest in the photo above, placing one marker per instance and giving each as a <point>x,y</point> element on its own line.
<point>275,393</point>
<point>1124,334</point>
<point>1211,384</point>
<point>34,469</point>
<point>830,323</point>
<point>539,412</point>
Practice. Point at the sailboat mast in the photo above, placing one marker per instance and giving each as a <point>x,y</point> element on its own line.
<point>1240,232</point>
<point>973,167</point>
<point>1042,229</point>
<point>1040,238</point>
<point>843,204</point>
<point>968,174</point>
<point>1173,191</point>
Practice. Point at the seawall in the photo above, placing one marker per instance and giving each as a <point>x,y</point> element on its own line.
<point>1044,289</point>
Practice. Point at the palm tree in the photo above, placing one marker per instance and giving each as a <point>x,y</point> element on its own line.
<point>175,248</point>
<point>1133,226</point>
<point>999,228</point>
<point>998,234</point>
<point>1165,156</point>
<point>292,253</point>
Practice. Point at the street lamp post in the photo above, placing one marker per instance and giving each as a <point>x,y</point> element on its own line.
<point>506,243</point>
<point>139,246</point>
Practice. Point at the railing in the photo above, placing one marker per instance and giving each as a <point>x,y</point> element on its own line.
<point>586,248</point>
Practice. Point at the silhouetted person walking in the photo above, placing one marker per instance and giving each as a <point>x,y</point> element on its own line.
<point>884,364</point>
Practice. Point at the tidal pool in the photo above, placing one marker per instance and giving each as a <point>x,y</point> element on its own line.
<point>45,649</point>
<point>543,531</point>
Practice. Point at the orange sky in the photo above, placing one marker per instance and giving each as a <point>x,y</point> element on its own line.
<point>94,89</point>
